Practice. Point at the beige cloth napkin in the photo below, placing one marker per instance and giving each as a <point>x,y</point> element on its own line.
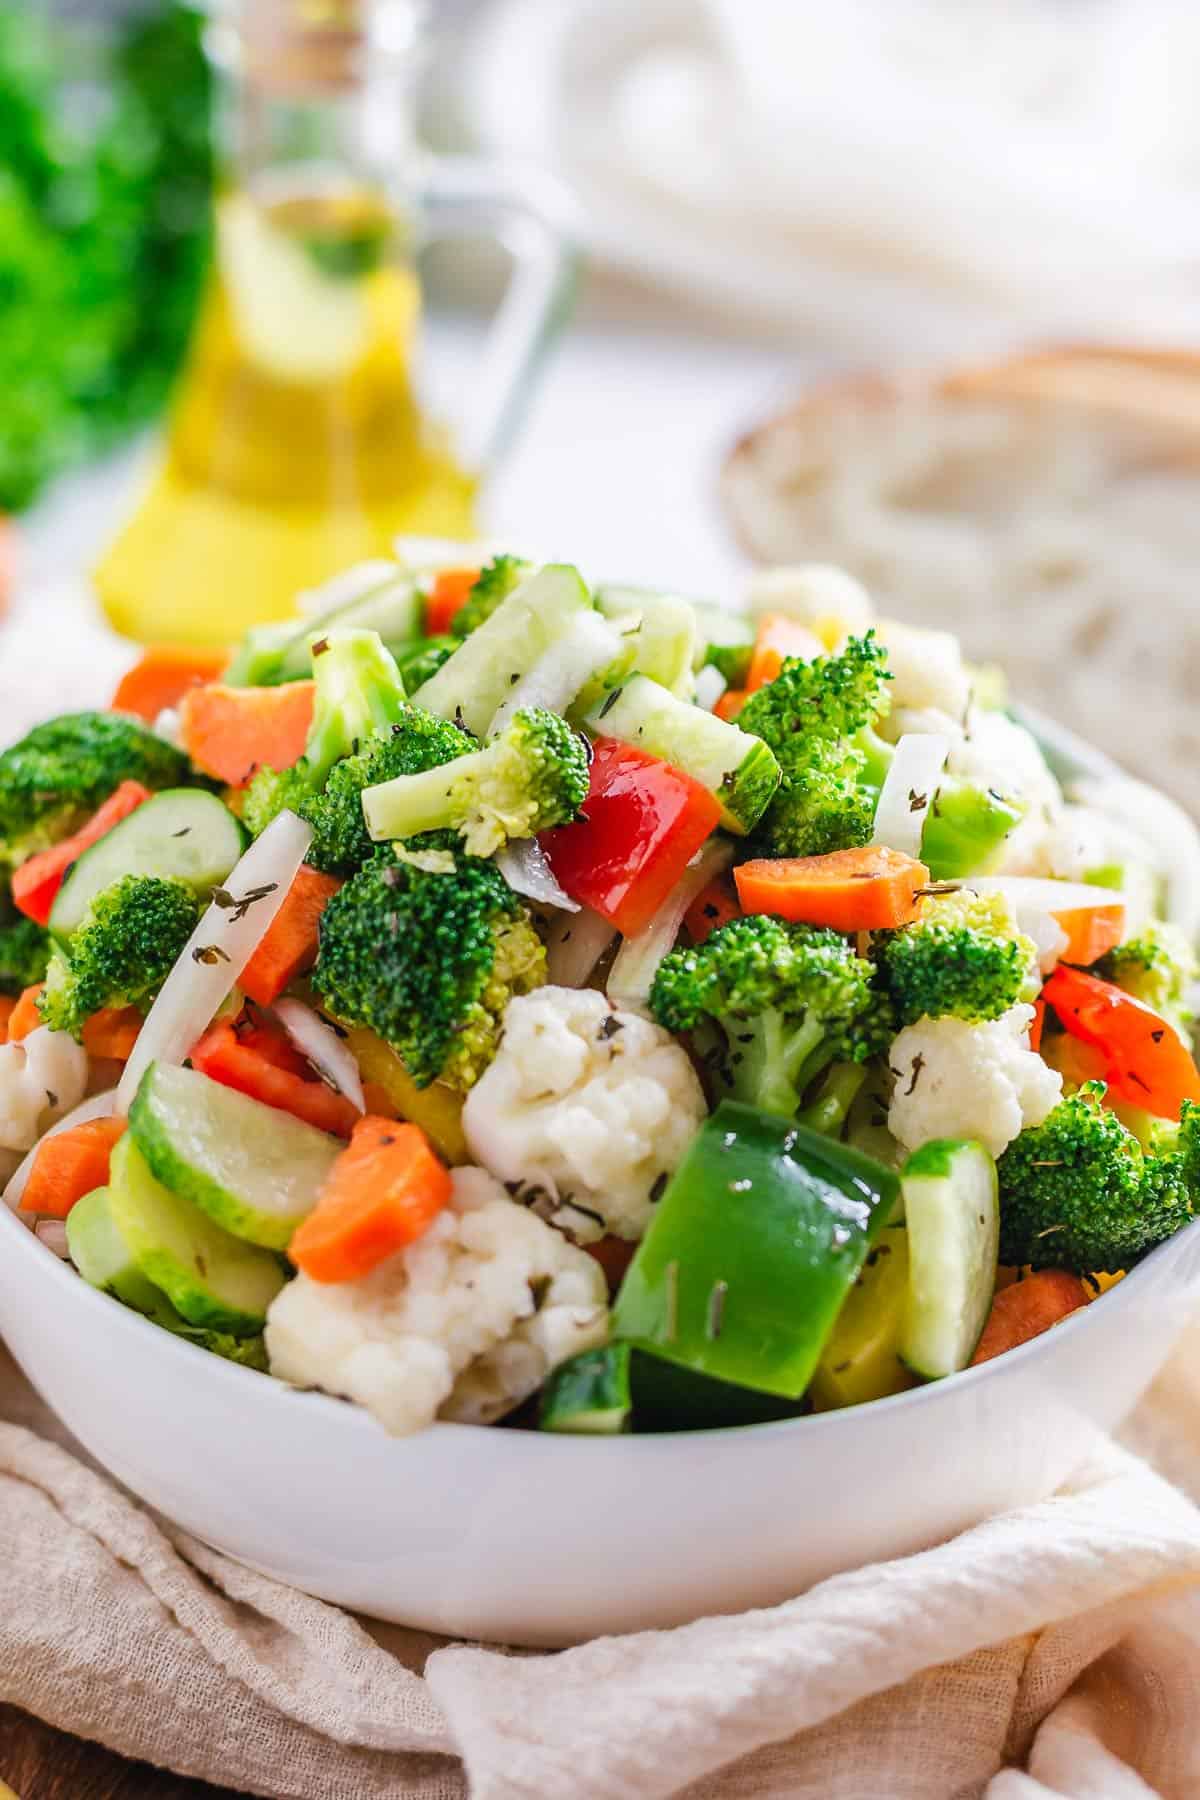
<point>1051,1652</point>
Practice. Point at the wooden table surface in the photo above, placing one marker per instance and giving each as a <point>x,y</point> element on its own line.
<point>40,1764</point>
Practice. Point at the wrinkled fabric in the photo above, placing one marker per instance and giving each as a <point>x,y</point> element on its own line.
<point>1049,1654</point>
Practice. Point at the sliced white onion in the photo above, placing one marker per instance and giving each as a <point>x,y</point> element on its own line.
<point>329,1054</point>
<point>218,950</point>
<point>908,790</point>
<point>1036,893</point>
<point>96,1106</point>
<point>348,585</point>
<point>526,868</point>
<point>636,962</point>
<point>1164,827</point>
<point>588,645</point>
<point>574,945</point>
<point>52,1233</point>
<point>710,685</point>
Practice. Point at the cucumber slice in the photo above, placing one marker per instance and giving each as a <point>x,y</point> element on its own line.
<point>737,769</point>
<point>487,666</point>
<point>861,1358</point>
<point>103,1257</point>
<point>254,1169</point>
<point>182,832</point>
<point>589,1393</point>
<point>272,654</point>
<point>725,639</point>
<point>952,1208</point>
<point>664,643</point>
<point>210,1278</point>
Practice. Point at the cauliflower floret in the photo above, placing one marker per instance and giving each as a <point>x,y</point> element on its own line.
<point>829,601</point>
<point>956,1080</point>
<point>928,674</point>
<point>468,1321</point>
<point>593,1105</point>
<point>41,1078</point>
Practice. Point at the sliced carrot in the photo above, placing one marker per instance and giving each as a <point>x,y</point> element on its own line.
<point>7,1008</point>
<point>233,732</point>
<point>447,596</point>
<point>1038,1025</point>
<point>162,675</point>
<point>263,1063</point>
<point>382,1194</point>
<point>1027,1308</point>
<point>69,1165</point>
<point>715,905</point>
<point>290,945</point>
<point>25,1016</point>
<point>871,889</point>
<point>777,638</point>
<point>112,1032</point>
<point>1091,931</point>
<point>730,704</point>
<point>36,883</point>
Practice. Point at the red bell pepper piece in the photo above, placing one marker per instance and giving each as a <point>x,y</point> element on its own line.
<point>1146,1062</point>
<point>643,821</point>
<point>262,1062</point>
<point>446,597</point>
<point>36,883</point>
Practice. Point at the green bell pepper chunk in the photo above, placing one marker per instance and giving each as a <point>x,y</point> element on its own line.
<point>753,1248</point>
<point>964,829</point>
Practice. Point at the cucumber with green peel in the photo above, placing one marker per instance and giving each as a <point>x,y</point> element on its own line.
<point>253,1169</point>
<point>589,1394</point>
<point>738,770</point>
<point>664,639</point>
<point>470,685</point>
<point>184,833</point>
<point>725,639</point>
<point>213,1280</point>
<point>952,1213</point>
<point>270,655</point>
<point>103,1257</point>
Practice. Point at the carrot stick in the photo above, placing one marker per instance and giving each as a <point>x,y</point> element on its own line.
<point>112,1032</point>
<point>290,945</point>
<point>1027,1308</point>
<point>69,1165</point>
<point>1090,932</point>
<point>233,732</point>
<point>383,1192</point>
<point>871,889</point>
<point>36,883</point>
<point>730,704</point>
<point>779,637</point>
<point>7,1008</point>
<point>447,596</point>
<point>161,677</point>
<point>714,906</point>
<point>1038,1025</point>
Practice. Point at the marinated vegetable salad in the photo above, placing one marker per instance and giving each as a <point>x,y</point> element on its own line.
<point>493,998</point>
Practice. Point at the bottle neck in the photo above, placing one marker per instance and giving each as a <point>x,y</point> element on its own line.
<point>325,85</point>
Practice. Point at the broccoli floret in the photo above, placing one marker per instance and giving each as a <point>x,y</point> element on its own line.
<point>1078,1191</point>
<point>496,582</point>
<point>272,791</point>
<point>816,717</point>
<point>131,935</point>
<point>532,776</point>
<point>359,692</point>
<point>788,999</point>
<point>421,659</point>
<point>428,961</point>
<point>57,775</point>
<point>1158,967</point>
<point>964,956</point>
<point>417,741</point>
<point>24,953</point>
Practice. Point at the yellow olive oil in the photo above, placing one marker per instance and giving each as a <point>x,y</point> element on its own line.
<point>296,444</point>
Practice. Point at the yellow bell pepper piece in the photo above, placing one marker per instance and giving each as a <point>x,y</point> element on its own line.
<point>436,1109</point>
<point>861,1358</point>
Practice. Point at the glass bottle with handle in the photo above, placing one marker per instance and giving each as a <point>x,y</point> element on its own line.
<point>297,443</point>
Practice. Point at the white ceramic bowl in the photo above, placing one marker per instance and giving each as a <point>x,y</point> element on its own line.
<point>546,1540</point>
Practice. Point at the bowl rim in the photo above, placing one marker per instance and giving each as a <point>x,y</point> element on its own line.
<point>124,1318</point>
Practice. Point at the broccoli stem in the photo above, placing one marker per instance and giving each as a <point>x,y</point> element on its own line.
<point>840,1089</point>
<point>772,1061</point>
